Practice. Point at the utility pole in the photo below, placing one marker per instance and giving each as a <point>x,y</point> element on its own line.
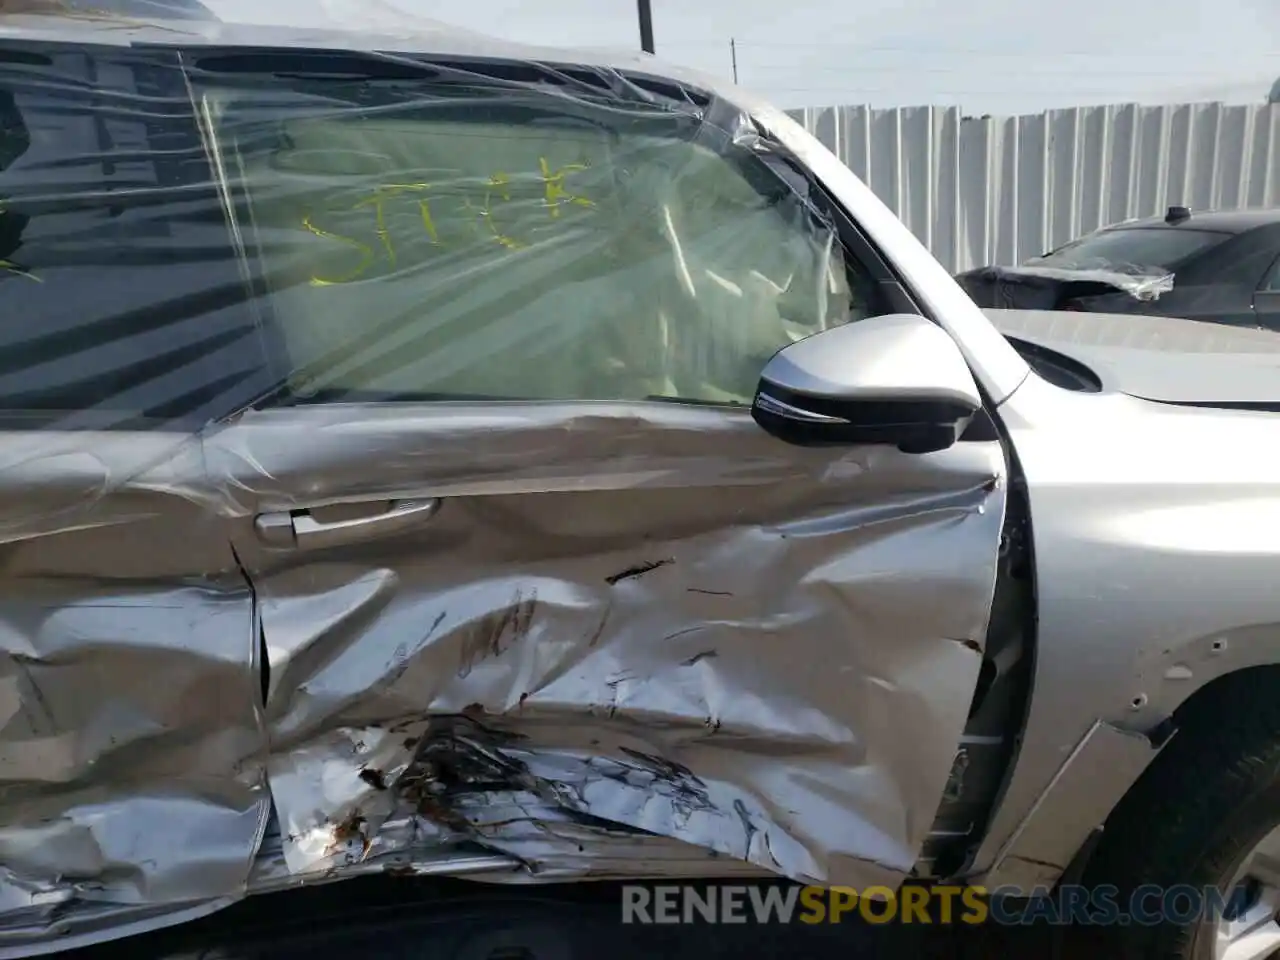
<point>733,57</point>
<point>646,25</point>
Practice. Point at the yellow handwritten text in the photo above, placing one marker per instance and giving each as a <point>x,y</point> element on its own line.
<point>556,194</point>
<point>500,184</point>
<point>485,217</point>
<point>367,254</point>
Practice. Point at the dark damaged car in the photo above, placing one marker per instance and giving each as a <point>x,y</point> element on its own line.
<point>1215,266</point>
<point>428,456</point>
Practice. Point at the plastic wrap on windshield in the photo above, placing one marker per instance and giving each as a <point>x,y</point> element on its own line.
<point>1141,283</point>
<point>1031,287</point>
<point>244,293</point>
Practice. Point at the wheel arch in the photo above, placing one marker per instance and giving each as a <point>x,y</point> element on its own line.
<point>1056,841</point>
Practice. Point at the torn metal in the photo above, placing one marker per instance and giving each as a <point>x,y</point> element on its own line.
<point>638,637</point>
<point>696,651</point>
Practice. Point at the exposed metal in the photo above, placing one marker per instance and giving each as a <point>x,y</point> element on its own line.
<point>520,640</point>
<point>573,661</point>
<point>999,190</point>
<point>562,640</point>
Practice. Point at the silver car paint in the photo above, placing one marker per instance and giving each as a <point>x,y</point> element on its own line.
<point>130,729</point>
<point>1110,479</point>
<point>1155,531</point>
<point>616,637</point>
<point>1158,358</point>
<point>706,636</point>
<point>632,633</point>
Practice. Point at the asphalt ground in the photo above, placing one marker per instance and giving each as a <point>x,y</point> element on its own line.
<point>411,919</point>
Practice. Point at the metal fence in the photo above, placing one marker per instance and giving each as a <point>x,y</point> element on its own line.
<point>980,190</point>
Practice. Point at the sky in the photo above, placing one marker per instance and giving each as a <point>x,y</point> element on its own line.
<point>988,56</point>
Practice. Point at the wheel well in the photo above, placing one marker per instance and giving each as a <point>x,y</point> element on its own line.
<point>1195,812</point>
<point>1206,706</point>
<point>1231,691</point>
<point>1227,692</point>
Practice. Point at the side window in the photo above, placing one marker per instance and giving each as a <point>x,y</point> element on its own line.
<point>1271,283</point>
<point>420,244</point>
<point>121,303</point>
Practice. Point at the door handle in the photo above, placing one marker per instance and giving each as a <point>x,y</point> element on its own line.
<point>299,529</point>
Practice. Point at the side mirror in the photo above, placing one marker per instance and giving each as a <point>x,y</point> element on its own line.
<point>897,380</point>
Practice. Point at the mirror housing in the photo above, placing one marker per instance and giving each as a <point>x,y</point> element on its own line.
<point>898,380</point>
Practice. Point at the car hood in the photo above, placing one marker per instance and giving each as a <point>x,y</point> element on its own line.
<point>1165,359</point>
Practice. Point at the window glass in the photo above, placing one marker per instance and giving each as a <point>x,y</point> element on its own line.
<point>1272,283</point>
<point>121,298</point>
<point>416,250</point>
<point>1135,249</point>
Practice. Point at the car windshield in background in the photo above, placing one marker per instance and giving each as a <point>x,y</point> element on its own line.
<point>1132,250</point>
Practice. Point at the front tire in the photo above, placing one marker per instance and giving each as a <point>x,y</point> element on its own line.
<point>1205,814</point>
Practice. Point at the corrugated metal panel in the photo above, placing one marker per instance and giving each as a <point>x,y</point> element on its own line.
<point>981,190</point>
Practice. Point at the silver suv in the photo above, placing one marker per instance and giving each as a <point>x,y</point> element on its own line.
<point>425,455</point>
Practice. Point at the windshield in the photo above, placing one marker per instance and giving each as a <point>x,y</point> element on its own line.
<point>1132,250</point>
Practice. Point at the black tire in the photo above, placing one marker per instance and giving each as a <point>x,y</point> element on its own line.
<point>1205,802</point>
